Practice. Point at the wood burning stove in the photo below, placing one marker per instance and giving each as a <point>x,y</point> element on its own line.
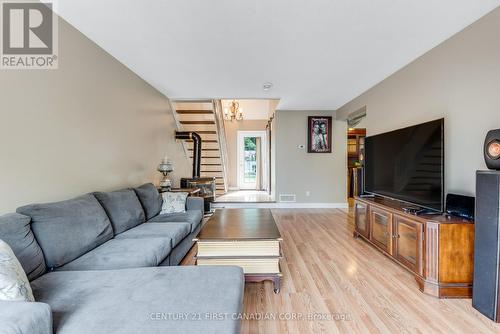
<point>205,184</point>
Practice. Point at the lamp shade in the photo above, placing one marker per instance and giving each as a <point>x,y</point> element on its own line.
<point>165,167</point>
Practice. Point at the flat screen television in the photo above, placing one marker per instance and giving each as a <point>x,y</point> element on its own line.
<point>407,165</point>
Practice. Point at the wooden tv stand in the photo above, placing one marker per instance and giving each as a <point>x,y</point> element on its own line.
<point>437,249</point>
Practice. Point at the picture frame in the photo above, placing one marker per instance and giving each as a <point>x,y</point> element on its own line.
<point>319,134</point>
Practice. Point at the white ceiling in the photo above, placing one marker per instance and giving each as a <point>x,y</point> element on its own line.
<point>318,54</point>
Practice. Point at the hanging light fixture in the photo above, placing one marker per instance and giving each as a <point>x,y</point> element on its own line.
<point>233,112</point>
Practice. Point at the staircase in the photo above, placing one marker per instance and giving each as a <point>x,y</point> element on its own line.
<point>205,118</point>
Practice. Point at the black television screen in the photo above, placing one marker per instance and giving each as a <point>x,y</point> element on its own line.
<point>408,164</point>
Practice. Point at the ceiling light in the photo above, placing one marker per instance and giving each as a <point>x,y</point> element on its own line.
<point>267,86</point>
<point>233,112</point>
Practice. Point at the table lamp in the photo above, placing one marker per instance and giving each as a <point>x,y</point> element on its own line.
<point>165,167</point>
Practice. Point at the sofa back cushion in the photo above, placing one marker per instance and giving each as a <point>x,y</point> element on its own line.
<point>68,229</point>
<point>15,230</point>
<point>123,208</point>
<point>150,199</point>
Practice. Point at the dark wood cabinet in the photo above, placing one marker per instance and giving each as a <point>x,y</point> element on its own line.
<point>361,218</point>
<point>437,249</point>
<point>408,237</point>
<point>381,229</point>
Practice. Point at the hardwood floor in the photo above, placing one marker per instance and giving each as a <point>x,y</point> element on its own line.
<point>328,273</point>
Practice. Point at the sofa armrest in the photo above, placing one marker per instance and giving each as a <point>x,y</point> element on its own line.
<point>25,318</point>
<point>195,203</point>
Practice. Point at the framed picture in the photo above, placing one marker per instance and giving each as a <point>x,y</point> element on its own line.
<point>319,134</point>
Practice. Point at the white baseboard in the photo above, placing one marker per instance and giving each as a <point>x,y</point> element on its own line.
<point>233,188</point>
<point>279,205</point>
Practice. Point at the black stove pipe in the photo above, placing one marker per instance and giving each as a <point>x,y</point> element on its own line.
<point>184,135</point>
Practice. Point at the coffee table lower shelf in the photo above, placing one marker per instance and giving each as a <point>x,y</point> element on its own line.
<point>275,278</point>
<point>261,277</point>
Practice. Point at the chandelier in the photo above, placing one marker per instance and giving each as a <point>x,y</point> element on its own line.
<point>233,112</point>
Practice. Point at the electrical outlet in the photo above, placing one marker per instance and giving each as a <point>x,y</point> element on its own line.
<point>308,193</point>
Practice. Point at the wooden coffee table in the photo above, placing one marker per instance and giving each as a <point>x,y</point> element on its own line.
<point>248,238</point>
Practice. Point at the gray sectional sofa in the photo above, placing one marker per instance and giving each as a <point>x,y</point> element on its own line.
<point>106,263</point>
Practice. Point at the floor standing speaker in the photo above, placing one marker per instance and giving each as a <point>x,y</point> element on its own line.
<point>485,293</point>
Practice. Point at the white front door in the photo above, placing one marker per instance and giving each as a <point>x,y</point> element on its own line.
<point>252,159</point>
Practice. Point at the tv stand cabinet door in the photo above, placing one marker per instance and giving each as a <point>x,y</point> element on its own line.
<point>361,218</point>
<point>408,236</point>
<point>381,229</point>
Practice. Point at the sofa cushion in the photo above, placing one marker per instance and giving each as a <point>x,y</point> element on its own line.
<point>15,230</point>
<point>195,203</point>
<point>180,251</point>
<point>174,231</point>
<point>123,253</point>
<point>173,202</point>
<point>66,230</point>
<point>150,199</point>
<point>131,301</point>
<point>25,318</point>
<point>123,208</point>
<point>193,217</point>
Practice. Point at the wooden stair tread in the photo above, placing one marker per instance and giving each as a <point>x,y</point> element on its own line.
<point>203,140</point>
<point>203,157</point>
<point>197,122</point>
<point>197,112</point>
<point>206,132</point>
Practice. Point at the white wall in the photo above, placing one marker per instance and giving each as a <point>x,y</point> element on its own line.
<point>458,80</point>
<point>90,125</point>
<point>322,174</point>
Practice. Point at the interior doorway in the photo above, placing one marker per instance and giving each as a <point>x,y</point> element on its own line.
<point>355,162</point>
<point>252,160</point>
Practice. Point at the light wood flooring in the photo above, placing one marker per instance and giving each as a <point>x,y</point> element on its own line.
<point>328,273</point>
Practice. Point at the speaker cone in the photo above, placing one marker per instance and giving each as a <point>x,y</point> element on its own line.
<point>493,149</point>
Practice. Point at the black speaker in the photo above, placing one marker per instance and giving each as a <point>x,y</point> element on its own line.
<point>492,149</point>
<point>486,244</point>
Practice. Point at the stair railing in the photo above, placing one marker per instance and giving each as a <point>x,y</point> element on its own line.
<point>178,126</point>
<point>221,139</point>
